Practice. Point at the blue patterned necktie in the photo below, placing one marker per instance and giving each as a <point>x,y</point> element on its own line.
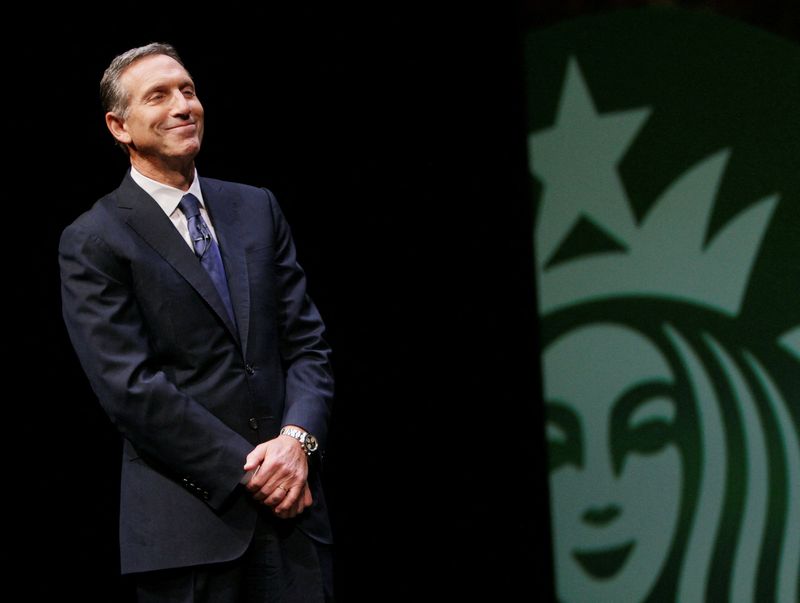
<point>205,247</point>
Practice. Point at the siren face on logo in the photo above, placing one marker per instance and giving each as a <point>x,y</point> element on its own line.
<point>669,305</point>
<point>617,490</point>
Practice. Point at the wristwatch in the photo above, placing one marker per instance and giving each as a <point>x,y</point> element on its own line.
<point>307,441</point>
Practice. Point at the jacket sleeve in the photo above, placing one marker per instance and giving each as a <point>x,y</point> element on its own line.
<point>108,333</point>
<point>304,351</point>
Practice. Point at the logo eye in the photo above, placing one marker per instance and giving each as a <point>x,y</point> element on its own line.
<point>564,442</point>
<point>651,423</point>
<point>657,409</point>
<point>643,420</point>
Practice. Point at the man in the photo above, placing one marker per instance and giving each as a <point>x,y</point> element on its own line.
<point>187,308</point>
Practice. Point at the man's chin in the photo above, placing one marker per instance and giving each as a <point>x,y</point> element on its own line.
<point>185,153</point>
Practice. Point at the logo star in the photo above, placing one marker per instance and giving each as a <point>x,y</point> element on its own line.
<point>576,159</point>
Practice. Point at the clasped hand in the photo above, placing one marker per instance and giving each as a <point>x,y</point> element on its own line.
<point>280,478</point>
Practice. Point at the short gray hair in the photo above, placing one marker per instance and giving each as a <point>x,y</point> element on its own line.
<point>113,96</point>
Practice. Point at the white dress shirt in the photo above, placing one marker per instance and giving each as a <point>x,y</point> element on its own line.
<point>169,197</point>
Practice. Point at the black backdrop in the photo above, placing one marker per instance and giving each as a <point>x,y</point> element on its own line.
<point>394,141</point>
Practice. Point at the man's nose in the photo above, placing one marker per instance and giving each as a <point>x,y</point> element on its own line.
<point>180,104</point>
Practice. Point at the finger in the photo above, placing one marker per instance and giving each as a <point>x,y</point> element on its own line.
<point>260,495</point>
<point>269,484</point>
<point>292,495</point>
<point>255,458</point>
<point>276,475</point>
<point>269,477</point>
<point>287,513</point>
<point>259,480</point>
<point>285,496</point>
<point>275,498</point>
<point>305,500</point>
<point>251,475</point>
<point>302,501</point>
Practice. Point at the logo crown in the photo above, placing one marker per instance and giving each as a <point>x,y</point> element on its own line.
<point>583,200</point>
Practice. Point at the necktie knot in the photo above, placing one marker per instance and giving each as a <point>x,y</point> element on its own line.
<point>198,230</point>
<point>190,206</point>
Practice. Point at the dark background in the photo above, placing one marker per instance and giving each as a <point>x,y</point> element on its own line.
<point>394,138</point>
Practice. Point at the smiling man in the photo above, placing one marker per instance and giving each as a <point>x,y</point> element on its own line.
<point>188,311</point>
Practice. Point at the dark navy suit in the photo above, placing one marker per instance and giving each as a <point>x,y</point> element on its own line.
<point>191,392</point>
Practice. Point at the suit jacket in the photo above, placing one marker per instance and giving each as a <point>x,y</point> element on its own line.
<point>191,392</point>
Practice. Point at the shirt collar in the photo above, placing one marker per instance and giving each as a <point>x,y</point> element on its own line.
<point>166,196</point>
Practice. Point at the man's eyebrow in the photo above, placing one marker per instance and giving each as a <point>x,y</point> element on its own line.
<point>164,85</point>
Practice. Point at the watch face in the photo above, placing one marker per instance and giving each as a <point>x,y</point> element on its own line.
<point>311,443</point>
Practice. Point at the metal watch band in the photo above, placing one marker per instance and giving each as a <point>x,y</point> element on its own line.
<point>299,435</point>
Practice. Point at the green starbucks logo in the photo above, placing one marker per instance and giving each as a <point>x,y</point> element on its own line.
<point>672,392</point>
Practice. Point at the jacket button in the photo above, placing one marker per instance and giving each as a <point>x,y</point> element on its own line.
<point>249,369</point>
<point>253,423</point>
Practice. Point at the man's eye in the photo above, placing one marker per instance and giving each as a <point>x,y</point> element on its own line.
<point>188,93</point>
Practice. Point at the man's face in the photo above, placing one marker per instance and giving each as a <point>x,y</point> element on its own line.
<point>164,120</point>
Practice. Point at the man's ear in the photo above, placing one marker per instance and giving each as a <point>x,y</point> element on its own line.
<point>116,125</point>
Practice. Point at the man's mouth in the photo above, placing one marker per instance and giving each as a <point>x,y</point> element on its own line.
<point>604,563</point>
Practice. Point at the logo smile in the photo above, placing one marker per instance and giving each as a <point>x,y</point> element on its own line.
<point>604,563</point>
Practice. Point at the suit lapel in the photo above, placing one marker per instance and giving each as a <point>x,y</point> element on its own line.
<point>152,224</point>
<point>225,216</point>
